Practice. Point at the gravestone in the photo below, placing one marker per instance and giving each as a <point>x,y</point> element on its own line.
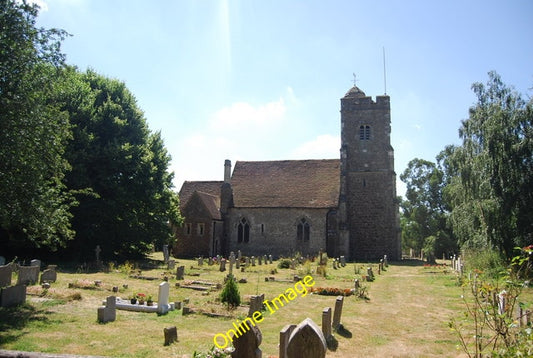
<point>162,298</point>
<point>166,254</point>
<point>6,272</point>
<point>48,275</point>
<point>260,260</point>
<point>108,313</point>
<point>246,261</point>
<point>334,264</point>
<point>270,258</point>
<point>247,345</point>
<point>284,336</point>
<point>338,311</point>
<point>239,255</point>
<point>171,335</point>
<point>180,272</point>
<point>36,262</point>
<point>370,273</point>
<point>253,260</point>
<point>326,322</point>
<point>307,341</point>
<point>12,296</point>
<point>200,261</point>
<point>256,304</point>
<point>171,264</point>
<point>356,284</point>
<point>343,261</point>
<point>222,265</point>
<point>385,261</point>
<point>28,275</point>
<point>2,260</point>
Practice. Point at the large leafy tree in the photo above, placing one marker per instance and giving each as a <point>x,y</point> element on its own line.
<point>492,191</point>
<point>424,213</point>
<point>34,207</point>
<point>119,170</point>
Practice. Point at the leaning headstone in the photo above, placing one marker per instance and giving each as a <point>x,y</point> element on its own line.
<point>180,272</point>
<point>247,345</point>
<point>307,341</point>
<point>28,275</point>
<point>108,313</point>
<point>171,335</point>
<point>338,311</point>
<point>284,336</point>
<point>12,296</point>
<point>48,275</point>
<point>6,272</point>
<point>326,322</point>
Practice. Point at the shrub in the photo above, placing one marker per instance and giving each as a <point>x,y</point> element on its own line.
<point>490,262</point>
<point>284,263</point>
<point>230,294</point>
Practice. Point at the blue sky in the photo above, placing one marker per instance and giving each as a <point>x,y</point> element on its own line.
<point>262,80</point>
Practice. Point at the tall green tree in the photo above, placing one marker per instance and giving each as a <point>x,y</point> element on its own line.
<point>424,212</point>
<point>34,207</point>
<point>119,170</point>
<point>492,191</point>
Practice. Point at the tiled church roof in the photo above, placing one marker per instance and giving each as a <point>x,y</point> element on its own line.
<point>189,187</point>
<point>287,183</point>
<point>212,204</point>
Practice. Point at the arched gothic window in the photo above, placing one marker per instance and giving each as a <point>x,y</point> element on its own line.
<point>364,132</point>
<point>303,230</point>
<point>243,231</point>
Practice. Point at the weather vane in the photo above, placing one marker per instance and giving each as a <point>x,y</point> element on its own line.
<point>354,80</point>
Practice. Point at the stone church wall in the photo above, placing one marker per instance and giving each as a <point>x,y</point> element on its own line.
<point>274,231</point>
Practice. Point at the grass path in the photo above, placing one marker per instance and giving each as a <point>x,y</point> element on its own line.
<point>406,315</point>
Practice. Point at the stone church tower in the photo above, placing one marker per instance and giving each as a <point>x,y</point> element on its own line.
<point>368,210</point>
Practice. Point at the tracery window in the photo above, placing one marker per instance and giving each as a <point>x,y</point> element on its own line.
<point>243,231</point>
<point>303,230</point>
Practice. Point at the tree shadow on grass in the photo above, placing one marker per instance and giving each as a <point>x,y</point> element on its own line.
<point>14,319</point>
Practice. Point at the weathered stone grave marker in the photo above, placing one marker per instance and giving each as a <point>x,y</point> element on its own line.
<point>28,275</point>
<point>307,341</point>
<point>108,312</point>
<point>48,275</point>
<point>247,345</point>
<point>180,272</point>
<point>326,322</point>
<point>171,335</point>
<point>338,312</point>
<point>6,272</point>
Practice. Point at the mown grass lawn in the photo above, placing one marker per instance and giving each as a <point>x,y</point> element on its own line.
<point>406,313</point>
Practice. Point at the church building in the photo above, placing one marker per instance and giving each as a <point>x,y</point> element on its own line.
<point>345,206</point>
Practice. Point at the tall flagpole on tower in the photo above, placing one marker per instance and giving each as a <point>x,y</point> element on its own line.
<point>384,71</point>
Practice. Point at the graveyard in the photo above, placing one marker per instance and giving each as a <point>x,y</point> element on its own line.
<point>403,311</point>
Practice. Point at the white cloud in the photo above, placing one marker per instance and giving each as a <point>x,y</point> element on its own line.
<point>243,114</point>
<point>322,147</point>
